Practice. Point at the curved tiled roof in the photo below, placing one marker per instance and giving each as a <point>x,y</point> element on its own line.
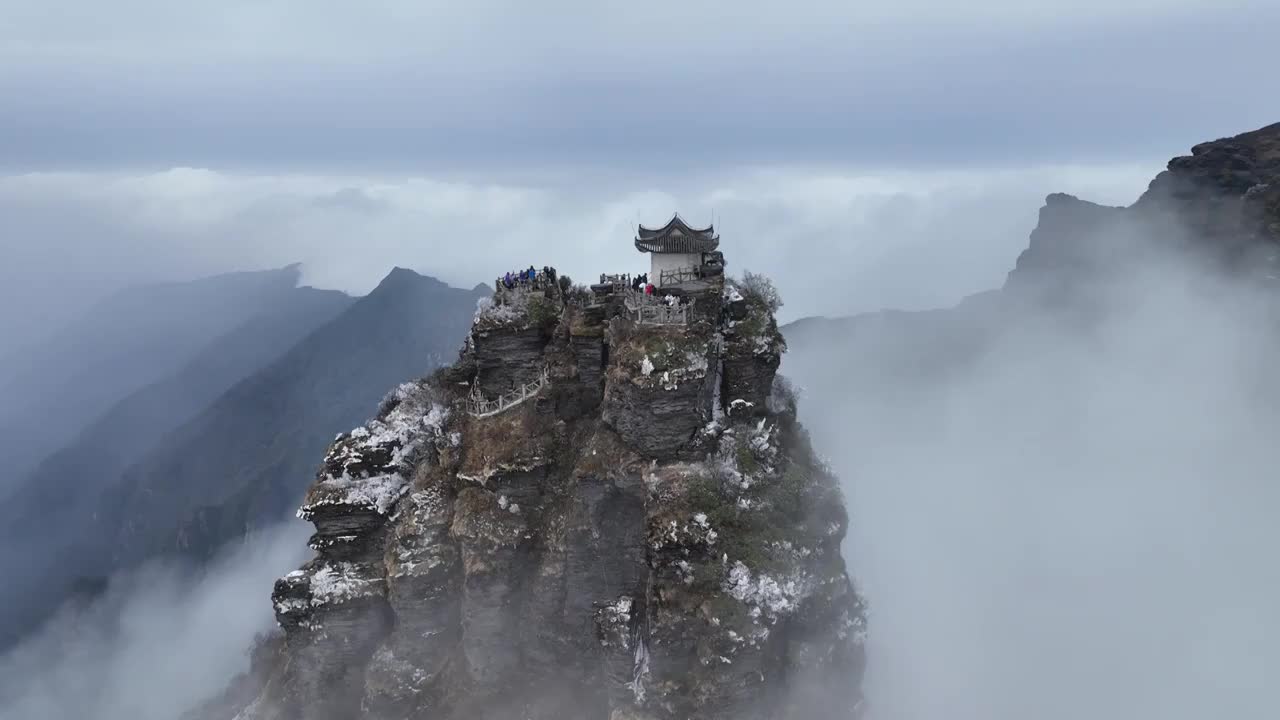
<point>676,237</point>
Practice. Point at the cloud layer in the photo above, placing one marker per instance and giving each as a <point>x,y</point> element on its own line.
<point>1079,522</point>
<point>158,641</point>
<point>657,87</point>
<point>837,240</point>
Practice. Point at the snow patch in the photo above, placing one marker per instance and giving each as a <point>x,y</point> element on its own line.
<point>368,467</point>
<point>765,593</point>
<point>505,504</point>
<point>340,582</point>
<point>852,628</point>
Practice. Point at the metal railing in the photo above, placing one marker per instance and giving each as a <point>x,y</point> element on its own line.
<point>478,406</point>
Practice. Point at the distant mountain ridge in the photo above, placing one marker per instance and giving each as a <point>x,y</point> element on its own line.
<point>70,479</point>
<point>47,513</point>
<point>245,460</point>
<point>226,443</point>
<point>133,338</point>
<point>1219,207</point>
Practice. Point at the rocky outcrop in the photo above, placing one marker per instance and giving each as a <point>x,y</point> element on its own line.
<point>752,353</point>
<point>660,386</point>
<point>1073,241</point>
<point>337,609</point>
<point>650,536</point>
<point>1220,204</point>
<point>507,342</point>
<point>1205,188</point>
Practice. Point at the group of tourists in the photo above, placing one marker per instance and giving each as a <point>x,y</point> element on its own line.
<point>531,278</point>
<point>641,282</point>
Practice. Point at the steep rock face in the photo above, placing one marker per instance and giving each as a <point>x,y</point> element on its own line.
<point>1221,203</point>
<point>1205,190</point>
<point>243,462</point>
<point>752,354</point>
<point>1215,209</point>
<point>661,382</point>
<point>507,342</point>
<point>621,544</point>
<point>1073,241</point>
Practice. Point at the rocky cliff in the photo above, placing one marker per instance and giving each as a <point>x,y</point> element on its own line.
<point>1210,215</point>
<point>1220,205</point>
<point>648,534</point>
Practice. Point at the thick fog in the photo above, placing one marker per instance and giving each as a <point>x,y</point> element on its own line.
<point>157,642</point>
<point>1078,520</point>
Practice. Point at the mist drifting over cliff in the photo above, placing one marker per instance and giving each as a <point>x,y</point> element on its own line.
<point>1063,517</point>
<point>1070,516</point>
<point>1060,495</point>
<point>157,641</point>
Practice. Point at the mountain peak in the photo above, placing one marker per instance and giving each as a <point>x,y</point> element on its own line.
<point>612,483</point>
<point>1221,202</point>
<point>401,279</point>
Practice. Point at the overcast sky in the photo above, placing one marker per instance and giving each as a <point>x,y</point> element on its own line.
<point>898,148</point>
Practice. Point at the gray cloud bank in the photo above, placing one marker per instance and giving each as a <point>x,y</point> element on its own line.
<point>1076,522</point>
<point>838,240</point>
<point>158,641</point>
<point>659,87</point>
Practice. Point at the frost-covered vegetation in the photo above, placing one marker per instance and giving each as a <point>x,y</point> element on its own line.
<point>759,291</point>
<point>518,307</point>
<point>754,325</point>
<point>369,466</point>
<point>665,358</point>
<point>339,582</point>
<point>768,500</point>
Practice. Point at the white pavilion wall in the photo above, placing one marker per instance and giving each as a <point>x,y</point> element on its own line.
<point>671,261</point>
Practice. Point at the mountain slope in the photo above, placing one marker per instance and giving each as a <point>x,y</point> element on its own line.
<point>245,461</point>
<point>1217,209</point>
<point>52,509</point>
<point>71,477</point>
<point>135,337</point>
<point>645,535</point>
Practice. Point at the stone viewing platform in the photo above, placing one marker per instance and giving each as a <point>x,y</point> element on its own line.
<point>657,309</point>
